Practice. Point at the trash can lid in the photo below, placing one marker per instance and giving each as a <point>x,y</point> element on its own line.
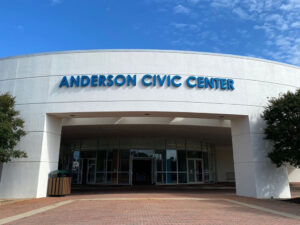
<point>59,172</point>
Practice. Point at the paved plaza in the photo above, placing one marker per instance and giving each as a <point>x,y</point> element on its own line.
<point>131,206</point>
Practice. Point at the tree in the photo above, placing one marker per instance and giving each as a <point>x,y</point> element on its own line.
<point>11,129</point>
<point>282,116</point>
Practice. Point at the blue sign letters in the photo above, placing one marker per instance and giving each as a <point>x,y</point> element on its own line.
<point>147,80</point>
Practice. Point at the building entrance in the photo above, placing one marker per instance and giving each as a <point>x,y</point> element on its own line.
<point>139,161</point>
<point>195,171</point>
<point>141,172</point>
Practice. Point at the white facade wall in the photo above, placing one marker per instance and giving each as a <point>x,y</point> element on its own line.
<point>34,81</point>
<point>224,163</point>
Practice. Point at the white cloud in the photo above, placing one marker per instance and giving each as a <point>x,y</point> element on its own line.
<point>193,1</point>
<point>277,20</point>
<point>241,13</point>
<point>274,17</point>
<point>290,5</point>
<point>296,24</point>
<point>185,26</point>
<point>281,28</point>
<point>283,42</point>
<point>180,9</point>
<point>222,3</point>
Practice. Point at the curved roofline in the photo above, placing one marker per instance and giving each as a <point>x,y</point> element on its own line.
<point>149,50</point>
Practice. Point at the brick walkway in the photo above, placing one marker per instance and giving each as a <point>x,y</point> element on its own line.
<point>152,206</point>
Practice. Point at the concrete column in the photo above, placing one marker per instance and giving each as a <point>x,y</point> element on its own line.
<point>49,153</point>
<point>256,176</point>
<point>28,177</point>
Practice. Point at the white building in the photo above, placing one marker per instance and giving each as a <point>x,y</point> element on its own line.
<point>139,116</point>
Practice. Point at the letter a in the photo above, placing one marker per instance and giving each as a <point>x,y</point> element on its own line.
<point>64,82</point>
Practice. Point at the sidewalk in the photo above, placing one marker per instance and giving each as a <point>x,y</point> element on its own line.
<point>151,206</point>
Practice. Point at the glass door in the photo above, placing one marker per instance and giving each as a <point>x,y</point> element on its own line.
<point>195,171</point>
<point>91,171</point>
<point>191,166</point>
<point>199,170</point>
<point>77,171</point>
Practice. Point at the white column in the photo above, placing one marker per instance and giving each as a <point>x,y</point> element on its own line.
<point>49,153</point>
<point>255,175</point>
<point>28,177</point>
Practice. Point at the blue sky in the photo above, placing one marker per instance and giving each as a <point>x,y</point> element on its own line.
<point>267,29</point>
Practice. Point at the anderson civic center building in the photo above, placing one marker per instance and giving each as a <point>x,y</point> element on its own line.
<point>130,117</point>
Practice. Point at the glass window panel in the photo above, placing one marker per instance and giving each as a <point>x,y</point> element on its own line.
<point>193,144</point>
<point>205,167</point>
<point>180,144</point>
<point>172,178</point>
<point>159,165</point>
<point>142,153</point>
<point>108,178</point>
<point>160,156</point>
<point>112,160</point>
<point>92,161</point>
<point>91,173</point>
<point>100,178</point>
<point>206,176</point>
<point>108,143</point>
<point>160,143</point>
<point>171,160</point>
<point>191,171</point>
<point>124,165</point>
<point>87,154</point>
<point>112,178</point>
<point>75,144</point>
<point>199,172</point>
<point>182,178</point>
<point>171,143</point>
<point>194,154</point>
<point>115,160</point>
<point>124,154</point>
<point>124,160</point>
<point>181,160</point>
<point>89,144</point>
<point>101,160</point>
<point>109,155</point>
<point>142,143</point>
<point>211,164</point>
<point>175,143</point>
<point>123,178</point>
<point>161,178</point>
<point>109,165</point>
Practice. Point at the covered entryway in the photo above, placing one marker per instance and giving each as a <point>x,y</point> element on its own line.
<point>164,151</point>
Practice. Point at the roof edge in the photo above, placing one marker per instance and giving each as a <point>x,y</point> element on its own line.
<point>149,50</point>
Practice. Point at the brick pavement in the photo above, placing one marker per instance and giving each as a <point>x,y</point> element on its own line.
<point>153,206</point>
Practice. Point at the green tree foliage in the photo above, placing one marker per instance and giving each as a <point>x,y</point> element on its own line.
<point>11,129</point>
<point>282,116</point>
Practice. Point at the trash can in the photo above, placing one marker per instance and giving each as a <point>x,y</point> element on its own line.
<point>59,183</point>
